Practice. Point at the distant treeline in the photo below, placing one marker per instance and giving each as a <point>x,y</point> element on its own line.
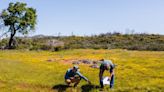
<point>152,42</point>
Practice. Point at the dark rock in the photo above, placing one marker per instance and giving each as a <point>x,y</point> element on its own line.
<point>95,62</point>
<point>49,60</point>
<point>94,66</point>
<point>86,61</point>
<point>76,62</point>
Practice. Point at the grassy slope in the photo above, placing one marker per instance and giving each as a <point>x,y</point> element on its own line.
<point>29,71</point>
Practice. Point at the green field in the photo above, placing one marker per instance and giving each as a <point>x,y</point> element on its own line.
<point>43,71</point>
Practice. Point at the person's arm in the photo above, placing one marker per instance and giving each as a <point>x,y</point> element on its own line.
<point>83,77</point>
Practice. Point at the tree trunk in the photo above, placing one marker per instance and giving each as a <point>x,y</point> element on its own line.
<point>10,41</point>
<point>13,31</point>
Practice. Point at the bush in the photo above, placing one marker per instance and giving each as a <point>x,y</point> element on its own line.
<point>102,41</point>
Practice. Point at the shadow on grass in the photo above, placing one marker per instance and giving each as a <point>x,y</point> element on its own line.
<point>60,87</point>
<point>88,88</point>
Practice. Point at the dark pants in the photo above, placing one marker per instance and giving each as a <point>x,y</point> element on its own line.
<point>101,77</point>
<point>112,81</point>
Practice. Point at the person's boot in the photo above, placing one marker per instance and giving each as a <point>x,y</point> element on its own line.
<point>111,86</point>
<point>102,86</point>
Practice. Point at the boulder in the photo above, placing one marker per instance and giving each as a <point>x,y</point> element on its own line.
<point>94,66</point>
<point>86,61</point>
<point>76,62</point>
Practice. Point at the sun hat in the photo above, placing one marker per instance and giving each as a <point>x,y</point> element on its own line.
<point>76,67</point>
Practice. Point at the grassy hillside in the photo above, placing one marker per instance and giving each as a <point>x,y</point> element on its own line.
<point>43,71</point>
<point>149,42</point>
<point>117,41</point>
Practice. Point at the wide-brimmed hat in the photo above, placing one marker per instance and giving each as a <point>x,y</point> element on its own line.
<point>76,67</point>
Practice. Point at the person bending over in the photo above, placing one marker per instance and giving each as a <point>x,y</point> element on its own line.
<point>109,66</point>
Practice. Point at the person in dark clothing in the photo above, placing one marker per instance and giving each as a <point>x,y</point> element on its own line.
<point>109,66</point>
<point>74,76</point>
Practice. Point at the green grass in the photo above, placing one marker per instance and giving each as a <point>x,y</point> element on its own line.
<point>29,71</point>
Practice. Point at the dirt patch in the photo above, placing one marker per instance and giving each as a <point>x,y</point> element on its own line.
<point>94,66</point>
<point>52,60</point>
<point>2,84</point>
<point>91,63</point>
<point>23,85</point>
<point>83,61</point>
<point>68,61</point>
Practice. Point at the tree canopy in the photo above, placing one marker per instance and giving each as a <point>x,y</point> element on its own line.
<point>18,18</point>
